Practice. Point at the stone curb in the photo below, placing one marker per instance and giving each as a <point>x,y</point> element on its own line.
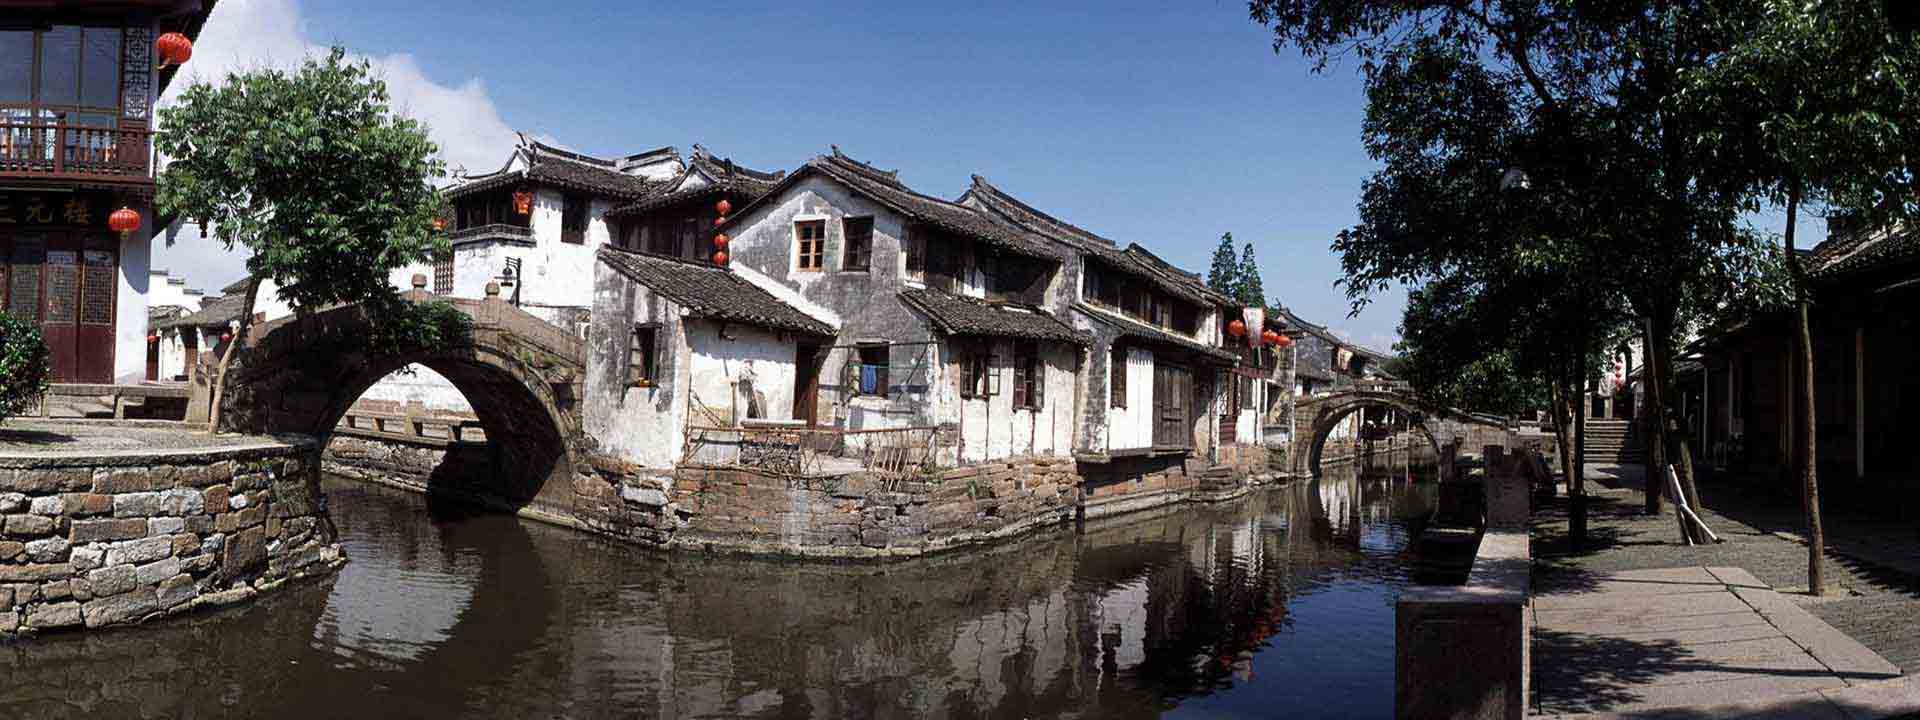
<point>1879,700</point>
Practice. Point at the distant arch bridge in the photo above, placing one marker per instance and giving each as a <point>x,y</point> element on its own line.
<point>1316,417</point>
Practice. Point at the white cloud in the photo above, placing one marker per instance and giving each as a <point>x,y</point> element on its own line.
<point>1375,341</point>
<point>243,35</point>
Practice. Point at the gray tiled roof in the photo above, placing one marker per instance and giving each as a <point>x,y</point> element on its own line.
<point>710,291</point>
<point>213,312</point>
<point>1134,260</point>
<point>1862,251</point>
<point>744,184</point>
<point>957,315</point>
<point>570,171</point>
<point>1128,327</point>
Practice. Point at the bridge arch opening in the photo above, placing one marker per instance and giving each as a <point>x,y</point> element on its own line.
<point>516,373</point>
<point>1330,417</point>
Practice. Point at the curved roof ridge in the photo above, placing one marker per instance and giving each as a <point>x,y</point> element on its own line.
<point>991,193</point>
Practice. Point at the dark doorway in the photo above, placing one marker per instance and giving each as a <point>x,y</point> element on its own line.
<point>806,384</point>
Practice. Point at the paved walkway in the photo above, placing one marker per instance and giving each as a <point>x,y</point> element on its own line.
<point>1874,598</point>
<point>1643,639</point>
<point>30,437</point>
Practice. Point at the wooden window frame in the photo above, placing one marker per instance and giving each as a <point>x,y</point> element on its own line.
<point>575,212</point>
<point>913,249</point>
<point>1029,376</point>
<point>643,355</point>
<point>976,371</point>
<point>860,359</point>
<point>1117,376</point>
<point>810,254</point>
<point>856,247</point>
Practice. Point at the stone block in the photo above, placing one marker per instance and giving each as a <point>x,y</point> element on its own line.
<point>176,590</point>
<point>245,552</point>
<point>13,502</point>
<point>87,557</point>
<point>152,573</point>
<point>139,504</point>
<point>35,573</point>
<point>166,525</point>
<point>28,526</point>
<point>9,621</point>
<point>220,472</point>
<point>86,531</point>
<point>199,564</point>
<point>200,524</point>
<point>53,615</point>
<point>6,598</point>
<point>114,482</point>
<point>144,550</point>
<point>49,481</point>
<point>184,501</point>
<point>88,504</point>
<point>236,501</point>
<point>56,590</point>
<point>48,505</point>
<point>48,550</point>
<point>120,609</point>
<point>643,496</point>
<point>112,580</point>
<point>193,476</point>
<point>10,549</point>
<point>251,516</point>
<point>185,544</point>
<point>215,497</point>
<point>226,522</point>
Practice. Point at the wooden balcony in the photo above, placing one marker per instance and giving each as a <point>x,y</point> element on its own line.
<point>81,154</point>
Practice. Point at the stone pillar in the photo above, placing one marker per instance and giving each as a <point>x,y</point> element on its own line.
<point>1464,651</point>
<point>1508,494</point>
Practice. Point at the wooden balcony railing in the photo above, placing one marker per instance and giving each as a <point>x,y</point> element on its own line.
<point>81,153</point>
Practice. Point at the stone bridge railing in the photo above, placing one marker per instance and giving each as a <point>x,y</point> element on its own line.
<point>1314,419</point>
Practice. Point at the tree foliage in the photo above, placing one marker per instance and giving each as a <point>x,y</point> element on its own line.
<point>1251,291</point>
<point>311,171</point>
<point>1224,274</point>
<point>25,365</point>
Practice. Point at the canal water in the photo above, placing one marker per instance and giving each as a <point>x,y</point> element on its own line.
<point>1279,604</point>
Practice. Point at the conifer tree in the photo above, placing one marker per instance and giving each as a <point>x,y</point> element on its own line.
<point>1224,275</point>
<point>1251,293</point>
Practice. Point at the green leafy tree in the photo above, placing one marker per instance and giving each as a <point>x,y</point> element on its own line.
<point>1566,107</point>
<point>1224,275</point>
<point>1815,103</point>
<point>313,172</point>
<point>25,365</point>
<point>1252,293</point>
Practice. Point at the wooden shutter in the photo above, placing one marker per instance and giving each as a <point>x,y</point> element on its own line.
<point>1117,370</point>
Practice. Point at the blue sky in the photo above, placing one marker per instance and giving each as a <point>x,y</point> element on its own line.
<point>1163,123</point>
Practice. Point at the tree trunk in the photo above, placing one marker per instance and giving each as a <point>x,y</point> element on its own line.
<point>1659,364</point>
<point>1577,482</point>
<point>226,356</point>
<point>1652,420</point>
<point>1802,375</point>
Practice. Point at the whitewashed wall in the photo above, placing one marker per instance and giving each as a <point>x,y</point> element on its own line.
<point>130,305</point>
<point>419,384</point>
<point>991,427</point>
<point>722,360</point>
<point>642,424</point>
<point>1132,426</point>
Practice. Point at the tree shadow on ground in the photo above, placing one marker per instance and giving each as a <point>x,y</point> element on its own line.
<point>33,438</point>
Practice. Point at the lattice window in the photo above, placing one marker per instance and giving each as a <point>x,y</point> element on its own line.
<point>1117,366</point>
<point>810,240</point>
<point>443,275</point>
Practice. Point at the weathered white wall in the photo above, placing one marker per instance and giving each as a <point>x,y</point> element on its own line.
<point>556,272</point>
<point>130,305</point>
<point>641,424</point>
<point>164,289</point>
<point>725,357</point>
<point>419,384</point>
<point>1132,426</point>
<point>1246,423</point>
<point>991,427</point>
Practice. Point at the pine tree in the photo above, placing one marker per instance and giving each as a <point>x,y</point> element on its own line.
<point>1224,276</point>
<point>1251,293</point>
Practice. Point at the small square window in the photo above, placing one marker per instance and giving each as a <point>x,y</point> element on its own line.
<point>915,249</point>
<point>810,251</point>
<point>858,256</point>
<point>573,218</point>
<point>976,371</point>
<point>1117,366</point>
<point>870,370</point>
<point>643,356</point>
<point>1029,376</point>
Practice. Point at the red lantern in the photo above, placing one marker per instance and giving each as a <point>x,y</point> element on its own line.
<point>1270,337</point>
<point>153,338</point>
<point>226,337</point>
<point>1283,342</point>
<point>720,258</point>
<point>720,241</point>
<point>523,202</point>
<point>723,207</point>
<point>722,220</point>
<point>1237,328</point>
<point>439,224</point>
<point>174,49</point>
<point>124,221</point>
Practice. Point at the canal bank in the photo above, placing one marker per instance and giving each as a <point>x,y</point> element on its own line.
<point>110,524</point>
<point>1279,601</point>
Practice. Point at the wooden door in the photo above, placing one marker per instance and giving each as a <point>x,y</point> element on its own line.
<point>806,384</point>
<point>190,340</point>
<point>99,283</point>
<point>60,307</point>
<point>1172,403</point>
<point>1229,407</point>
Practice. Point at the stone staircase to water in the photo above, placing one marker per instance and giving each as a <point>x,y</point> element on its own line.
<point>1613,441</point>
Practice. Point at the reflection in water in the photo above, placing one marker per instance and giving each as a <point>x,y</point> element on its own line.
<point>1279,603</point>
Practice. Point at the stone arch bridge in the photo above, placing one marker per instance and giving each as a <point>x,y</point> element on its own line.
<point>522,375</point>
<point>1315,418</point>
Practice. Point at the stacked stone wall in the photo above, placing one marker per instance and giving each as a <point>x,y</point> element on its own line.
<point>121,538</point>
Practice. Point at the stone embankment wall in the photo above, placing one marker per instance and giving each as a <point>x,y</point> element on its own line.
<point>122,537</point>
<point>861,515</point>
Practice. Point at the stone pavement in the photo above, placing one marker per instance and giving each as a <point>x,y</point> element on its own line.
<point>1638,640</point>
<point>27,437</point>
<point>1873,565</point>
